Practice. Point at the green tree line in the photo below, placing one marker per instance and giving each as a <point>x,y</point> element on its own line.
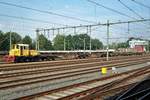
<point>76,42</point>
<point>70,42</point>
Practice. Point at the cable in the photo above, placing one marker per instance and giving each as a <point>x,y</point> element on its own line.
<point>130,9</point>
<point>3,40</point>
<point>30,19</point>
<point>47,12</point>
<point>113,10</point>
<point>141,4</point>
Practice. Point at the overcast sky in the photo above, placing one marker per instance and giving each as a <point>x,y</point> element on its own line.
<point>75,8</point>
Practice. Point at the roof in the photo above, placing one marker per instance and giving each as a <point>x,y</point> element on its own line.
<point>23,44</point>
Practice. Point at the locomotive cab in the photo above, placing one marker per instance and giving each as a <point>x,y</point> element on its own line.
<point>19,50</point>
<point>21,53</point>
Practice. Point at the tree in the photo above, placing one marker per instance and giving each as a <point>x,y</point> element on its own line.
<point>84,40</point>
<point>122,45</point>
<point>15,38</point>
<point>27,40</point>
<point>76,42</point>
<point>33,45</point>
<point>69,42</point>
<point>59,42</point>
<point>113,45</point>
<point>81,40</point>
<point>96,44</point>
<point>44,43</point>
<point>1,40</point>
<point>1,35</point>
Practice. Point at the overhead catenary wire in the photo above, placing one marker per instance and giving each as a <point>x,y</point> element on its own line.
<point>128,28</point>
<point>4,40</point>
<point>47,12</point>
<point>113,10</point>
<point>18,26</point>
<point>30,19</point>
<point>141,4</point>
<point>101,24</point>
<point>110,9</point>
<point>130,9</point>
<point>127,37</point>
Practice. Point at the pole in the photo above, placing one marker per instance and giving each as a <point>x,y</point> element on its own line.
<point>84,45</point>
<point>128,28</point>
<point>64,43</point>
<point>64,39</point>
<point>58,31</point>
<point>10,40</point>
<point>53,31</point>
<point>73,42</point>
<point>90,38</point>
<point>37,39</point>
<point>107,40</point>
<point>68,45</point>
<point>148,46</point>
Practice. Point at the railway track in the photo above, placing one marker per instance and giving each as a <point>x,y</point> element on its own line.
<point>14,82</point>
<point>95,89</point>
<point>72,71</point>
<point>41,66</point>
<point>62,62</point>
<point>31,80</point>
<point>119,85</point>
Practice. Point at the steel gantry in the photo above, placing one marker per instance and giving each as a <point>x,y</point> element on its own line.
<point>88,27</point>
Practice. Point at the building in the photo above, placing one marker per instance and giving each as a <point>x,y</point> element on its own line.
<point>138,45</point>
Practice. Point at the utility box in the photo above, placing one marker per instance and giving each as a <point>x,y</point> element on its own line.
<point>104,70</point>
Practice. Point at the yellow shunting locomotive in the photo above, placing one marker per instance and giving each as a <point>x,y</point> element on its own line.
<point>22,53</point>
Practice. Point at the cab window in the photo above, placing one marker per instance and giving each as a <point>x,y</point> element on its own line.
<point>25,47</point>
<point>17,47</point>
<point>13,46</point>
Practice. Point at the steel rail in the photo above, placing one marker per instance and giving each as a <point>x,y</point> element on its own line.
<point>27,81</point>
<point>135,72</point>
<point>65,62</point>
<point>48,70</point>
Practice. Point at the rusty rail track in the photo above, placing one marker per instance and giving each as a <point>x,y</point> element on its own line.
<point>44,69</point>
<point>65,72</point>
<point>32,80</point>
<point>97,91</point>
<point>118,85</point>
<point>57,63</point>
